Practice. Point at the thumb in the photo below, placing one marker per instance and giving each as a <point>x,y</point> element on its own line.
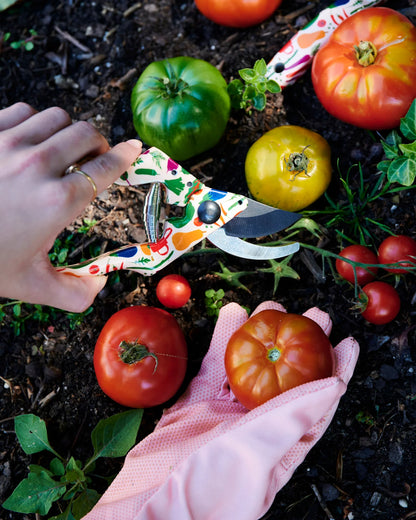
<point>45,286</point>
<point>75,294</point>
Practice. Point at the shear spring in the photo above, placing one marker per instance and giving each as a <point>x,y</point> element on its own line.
<point>151,212</point>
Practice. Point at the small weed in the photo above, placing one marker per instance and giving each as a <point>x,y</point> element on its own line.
<point>214,301</point>
<point>365,418</point>
<point>67,479</point>
<point>26,44</point>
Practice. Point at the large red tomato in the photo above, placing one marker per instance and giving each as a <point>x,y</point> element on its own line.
<point>273,352</point>
<point>140,357</point>
<point>237,13</point>
<point>365,74</point>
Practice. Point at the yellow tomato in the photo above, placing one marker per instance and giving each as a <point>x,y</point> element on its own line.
<point>289,167</point>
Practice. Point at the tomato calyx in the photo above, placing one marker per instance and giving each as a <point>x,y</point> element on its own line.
<point>366,53</point>
<point>172,87</point>
<point>298,162</point>
<point>273,354</point>
<point>131,353</point>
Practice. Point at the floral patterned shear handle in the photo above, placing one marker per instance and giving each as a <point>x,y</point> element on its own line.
<point>205,211</point>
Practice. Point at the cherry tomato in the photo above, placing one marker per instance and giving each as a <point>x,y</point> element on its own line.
<point>289,167</point>
<point>381,301</point>
<point>140,357</point>
<point>273,352</point>
<point>365,74</point>
<point>173,291</point>
<point>395,249</point>
<point>237,13</point>
<point>362,255</point>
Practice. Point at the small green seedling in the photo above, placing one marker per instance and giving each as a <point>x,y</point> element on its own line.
<point>68,479</point>
<point>213,301</point>
<point>251,92</point>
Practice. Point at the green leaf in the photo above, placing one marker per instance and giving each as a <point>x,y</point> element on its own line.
<point>259,101</point>
<point>66,515</point>
<point>73,472</point>
<point>383,166</point>
<point>35,494</point>
<point>57,468</point>
<point>114,436</point>
<point>402,170</point>
<point>408,149</point>
<point>247,74</point>
<point>391,149</point>
<point>260,67</point>
<point>408,123</point>
<point>32,434</point>
<point>84,503</point>
<point>17,309</point>
<point>273,86</point>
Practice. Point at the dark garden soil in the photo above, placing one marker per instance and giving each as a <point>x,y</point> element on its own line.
<point>86,59</point>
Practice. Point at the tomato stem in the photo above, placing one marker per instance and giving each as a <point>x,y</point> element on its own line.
<point>366,53</point>
<point>131,353</point>
<point>298,163</point>
<point>273,354</point>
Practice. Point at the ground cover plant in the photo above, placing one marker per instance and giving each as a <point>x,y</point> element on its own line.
<point>87,57</point>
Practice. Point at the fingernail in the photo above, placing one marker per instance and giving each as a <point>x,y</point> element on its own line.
<point>135,142</point>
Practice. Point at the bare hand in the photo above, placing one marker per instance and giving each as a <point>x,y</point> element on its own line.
<point>37,201</point>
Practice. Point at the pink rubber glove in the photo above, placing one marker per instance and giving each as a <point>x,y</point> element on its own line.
<point>209,458</point>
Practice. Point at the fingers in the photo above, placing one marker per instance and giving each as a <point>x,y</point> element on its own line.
<point>14,115</point>
<point>268,305</point>
<point>103,170</point>
<point>40,126</point>
<point>346,357</point>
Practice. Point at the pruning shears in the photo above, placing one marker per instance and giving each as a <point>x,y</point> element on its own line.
<point>222,217</point>
<point>292,61</point>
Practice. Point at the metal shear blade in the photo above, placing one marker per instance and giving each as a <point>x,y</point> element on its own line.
<point>237,247</point>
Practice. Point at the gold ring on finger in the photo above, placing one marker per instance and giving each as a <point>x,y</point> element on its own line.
<point>74,168</point>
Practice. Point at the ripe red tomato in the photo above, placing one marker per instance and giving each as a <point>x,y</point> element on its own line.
<point>237,13</point>
<point>382,303</point>
<point>362,255</point>
<point>365,74</point>
<point>140,357</point>
<point>173,291</point>
<point>395,249</point>
<point>273,352</point>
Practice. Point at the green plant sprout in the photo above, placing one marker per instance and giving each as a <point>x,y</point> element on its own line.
<point>27,43</point>
<point>67,479</point>
<point>251,92</point>
<point>214,301</point>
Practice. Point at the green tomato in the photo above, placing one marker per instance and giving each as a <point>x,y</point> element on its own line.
<point>180,105</point>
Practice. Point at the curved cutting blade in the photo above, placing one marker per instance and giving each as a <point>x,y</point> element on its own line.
<point>259,220</point>
<point>237,247</point>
